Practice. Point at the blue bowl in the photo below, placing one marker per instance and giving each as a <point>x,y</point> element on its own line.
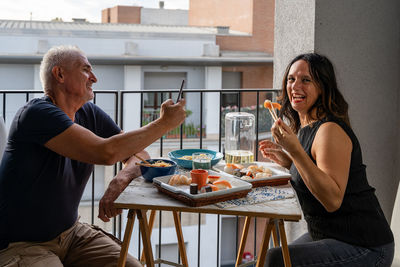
<point>149,173</point>
<point>187,164</point>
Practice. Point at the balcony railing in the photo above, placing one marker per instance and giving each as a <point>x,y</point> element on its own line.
<point>128,110</point>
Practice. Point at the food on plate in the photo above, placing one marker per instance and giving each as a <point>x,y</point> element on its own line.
<point>201,156</point>
<point>193,189</point>
<point>260,175</point>
<point>206,189</point>
<point>231,168</point>
<point>222,184</point>
<point>213,178</point>
<point>268,104</point>
<point>255,172</point>
<point>179,179</point>
<point>251,172</point>
<point>214,187</point>
<point>257,169</point>
<point>186,157</point>
<point>160,163</point>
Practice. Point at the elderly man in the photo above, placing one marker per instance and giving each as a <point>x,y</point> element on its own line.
<point>52,146</point>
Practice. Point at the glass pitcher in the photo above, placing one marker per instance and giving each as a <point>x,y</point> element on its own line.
<point>239,137</point>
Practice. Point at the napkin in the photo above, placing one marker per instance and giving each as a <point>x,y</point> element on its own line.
<point>258,195</point>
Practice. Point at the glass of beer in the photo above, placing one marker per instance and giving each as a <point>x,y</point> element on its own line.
<point>201,160</point>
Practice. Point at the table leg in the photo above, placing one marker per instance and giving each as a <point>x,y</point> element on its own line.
<point>275,236</point>
<point>265,243</point>
<point>181,243</point>
<point>144,228</point>
<point>151,224</point>
<point>243,241</point>
<point>285,249</point>
<point>127,239</point>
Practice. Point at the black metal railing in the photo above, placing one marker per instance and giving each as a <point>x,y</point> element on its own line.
<point>120,102</point>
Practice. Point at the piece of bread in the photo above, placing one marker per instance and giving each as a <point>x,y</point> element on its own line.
<point>179,179</point>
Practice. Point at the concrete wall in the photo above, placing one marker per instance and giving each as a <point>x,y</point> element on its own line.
<point>157,16</point>
<point>294,33</point>
<point>362,38</point>
<point>238,14</point>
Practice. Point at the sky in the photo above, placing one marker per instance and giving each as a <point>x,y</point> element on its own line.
<point>68,9</point>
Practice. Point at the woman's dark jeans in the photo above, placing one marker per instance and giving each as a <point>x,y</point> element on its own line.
<point>330,252</point>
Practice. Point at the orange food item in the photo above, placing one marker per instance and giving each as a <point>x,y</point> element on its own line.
<point>222,184</point>
<point>214,187</point>
<point>269,104</point>
<point>234,166</point>
<point>213,178</point>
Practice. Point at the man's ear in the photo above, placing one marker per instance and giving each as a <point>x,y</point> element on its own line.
<point>58,74</point>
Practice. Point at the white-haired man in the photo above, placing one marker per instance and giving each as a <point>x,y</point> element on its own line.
<point>52,146</point>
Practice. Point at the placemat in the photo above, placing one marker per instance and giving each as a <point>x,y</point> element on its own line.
<point>258,195</point>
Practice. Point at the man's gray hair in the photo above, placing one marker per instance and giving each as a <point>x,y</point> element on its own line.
<point>56,56</point>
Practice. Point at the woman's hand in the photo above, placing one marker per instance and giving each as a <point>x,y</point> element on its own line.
<point>275,153</point>
<point>285,137</point>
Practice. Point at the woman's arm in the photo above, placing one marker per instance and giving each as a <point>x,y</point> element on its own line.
<point>331,149</point>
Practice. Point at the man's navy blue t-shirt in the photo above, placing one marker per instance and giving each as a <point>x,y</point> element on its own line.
<point>40,190</point>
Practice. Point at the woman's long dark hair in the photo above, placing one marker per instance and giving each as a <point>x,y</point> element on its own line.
<point>330,103</point>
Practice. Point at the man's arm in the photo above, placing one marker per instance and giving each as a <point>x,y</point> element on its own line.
<point>117,185</point>
<point>80,144</point>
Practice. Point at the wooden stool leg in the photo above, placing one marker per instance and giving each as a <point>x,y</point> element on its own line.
<point>144,228</point>
<point>127,239</point>
<point>151,224</point>
<point>285,249</point>
<point>243,240</point>
<point>275,236</point>
<point>179,235</point>
<point>265,243</point>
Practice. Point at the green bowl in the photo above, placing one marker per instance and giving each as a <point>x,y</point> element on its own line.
<point>187,164</point>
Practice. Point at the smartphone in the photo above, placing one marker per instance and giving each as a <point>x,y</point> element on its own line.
<point>180,91</point>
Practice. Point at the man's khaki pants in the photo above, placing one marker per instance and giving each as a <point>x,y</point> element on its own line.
<point>81,245</point>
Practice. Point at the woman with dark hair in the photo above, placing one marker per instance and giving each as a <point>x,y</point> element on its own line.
<point>346,225</point>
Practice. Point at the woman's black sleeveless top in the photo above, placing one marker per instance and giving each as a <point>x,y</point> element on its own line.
<point>359,220</point>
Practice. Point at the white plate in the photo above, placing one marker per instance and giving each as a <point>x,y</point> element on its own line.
<point>237,185</point>
<point>277,171</point>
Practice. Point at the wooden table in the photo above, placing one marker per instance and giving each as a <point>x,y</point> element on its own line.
<point>140,196</point>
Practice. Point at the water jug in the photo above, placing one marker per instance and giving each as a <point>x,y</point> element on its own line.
<point>239,137</point>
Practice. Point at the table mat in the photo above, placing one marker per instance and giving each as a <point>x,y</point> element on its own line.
<point>258,195</point>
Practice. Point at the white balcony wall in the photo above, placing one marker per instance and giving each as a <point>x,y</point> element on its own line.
<point>133,80</point>
<point>16,76</point>
<point>109,77</point>
<point>146,46</point>
<point>213,80</point>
